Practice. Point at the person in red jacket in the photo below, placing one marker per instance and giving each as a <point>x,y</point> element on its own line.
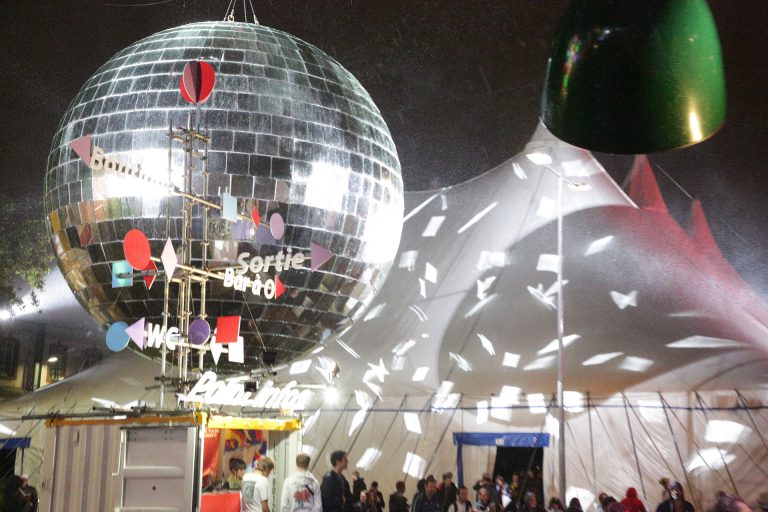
<point>632,502</point>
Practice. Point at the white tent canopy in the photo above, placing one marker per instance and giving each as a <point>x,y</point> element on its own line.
<point>460,339</point>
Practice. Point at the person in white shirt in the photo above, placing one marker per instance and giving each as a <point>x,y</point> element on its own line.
<point>301,491</point>
<point>462,503</point>
<point>254,489</point>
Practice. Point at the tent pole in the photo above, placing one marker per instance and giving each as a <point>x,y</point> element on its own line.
<point>722,456</point>
<point>459,464</point>
<point>592,445</point>
<point>560,352</point>
<point>751,419</point>
<point>442,436</point>
<point>634,446</point>
<point>330,434</point>
<point>664,406</point>
<point>459,458</point>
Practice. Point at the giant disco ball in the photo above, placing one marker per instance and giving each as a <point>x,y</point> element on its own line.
<point>292,132</point>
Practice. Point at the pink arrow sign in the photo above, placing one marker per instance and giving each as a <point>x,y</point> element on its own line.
<point>318,255</point>
<point>136,332</point>
<point>82,147</point>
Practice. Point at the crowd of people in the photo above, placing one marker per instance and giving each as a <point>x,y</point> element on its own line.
<point>301,492</point>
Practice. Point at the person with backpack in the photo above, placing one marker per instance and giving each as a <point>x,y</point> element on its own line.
<point>397,500</point>
<point>462,503</point>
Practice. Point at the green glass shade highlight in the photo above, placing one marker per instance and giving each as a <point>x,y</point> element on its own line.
<point>635,76</point>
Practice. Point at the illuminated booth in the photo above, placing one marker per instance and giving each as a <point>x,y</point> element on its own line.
<point>157,461</point>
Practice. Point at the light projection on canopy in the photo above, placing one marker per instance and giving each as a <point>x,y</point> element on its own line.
<point>369,459</point>
<point>488,284</point>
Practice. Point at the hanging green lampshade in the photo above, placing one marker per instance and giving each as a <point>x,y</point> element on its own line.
<point>635,76</point>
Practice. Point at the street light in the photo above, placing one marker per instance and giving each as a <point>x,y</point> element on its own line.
<point>5,315</point>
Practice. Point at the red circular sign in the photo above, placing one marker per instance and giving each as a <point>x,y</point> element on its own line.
<point>197,81</point>
<point>136,249</point>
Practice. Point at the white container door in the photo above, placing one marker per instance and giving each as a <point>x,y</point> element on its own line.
<point>158,471</point>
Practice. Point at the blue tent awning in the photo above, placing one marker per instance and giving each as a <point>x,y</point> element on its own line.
<point>519,439</point>
<point>506,439</point>
<point>9,443</point>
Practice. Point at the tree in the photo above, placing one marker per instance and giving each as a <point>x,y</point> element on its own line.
<point>25,254</point>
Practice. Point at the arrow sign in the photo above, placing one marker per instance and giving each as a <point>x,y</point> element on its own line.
<point>136,332</point>
<point>318,255</point>
<point>82,147</point>
<point>149,279</point>
<point>279,287</point>
<point>216,350</point>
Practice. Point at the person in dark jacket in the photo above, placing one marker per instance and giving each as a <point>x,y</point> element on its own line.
<point>334,491</point>
<point>676,501</point>
<point>358,484</point>
<point>447,491</point>
<point>574,505</point>
<point>397,500</point>
<point>427,502</point>
<point>420,489</point>
<point>484,502</point>
<point>484,482</point>
<point>24,497</point>
<point>379,497</point>
<point>531,503</point>
<point>555,505</point>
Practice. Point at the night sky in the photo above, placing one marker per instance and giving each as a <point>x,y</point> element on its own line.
<point>458,83</point>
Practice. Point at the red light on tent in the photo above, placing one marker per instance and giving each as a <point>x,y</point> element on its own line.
<point>151,275</point>
<point>136,249</point>
<point>197,81</point>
